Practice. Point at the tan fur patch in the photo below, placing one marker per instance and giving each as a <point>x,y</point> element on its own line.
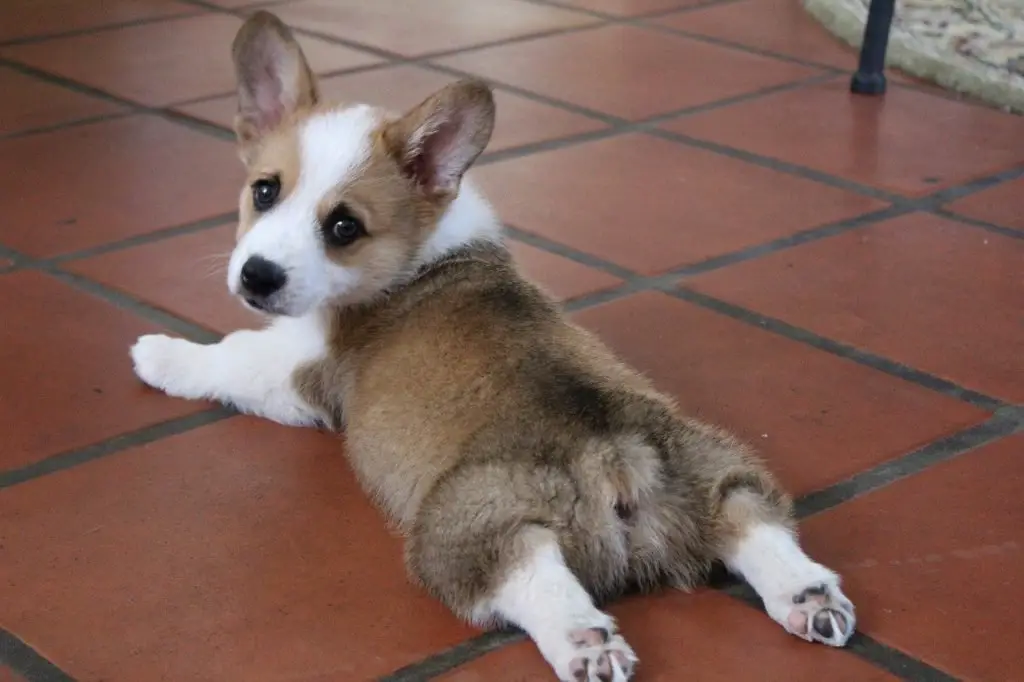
<point>278,155</point>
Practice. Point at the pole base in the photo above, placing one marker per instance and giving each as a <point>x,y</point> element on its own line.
<point>868,83</point>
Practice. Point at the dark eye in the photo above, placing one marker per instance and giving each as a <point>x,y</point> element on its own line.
<point>341,228</point>
<point>264,193</point>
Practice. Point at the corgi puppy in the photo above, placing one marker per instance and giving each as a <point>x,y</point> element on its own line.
<point>533,474</point>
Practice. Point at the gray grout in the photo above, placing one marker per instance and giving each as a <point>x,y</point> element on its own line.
<point>840,349</point>
<point>778,165</point>
<point>27,662</point>
<point>460,654</point>
<point>202,225</point>
<point>102,28</point>
<point>860,645</point>
<point>119,443</point>
<point>981,224</point>
<point>168,321</point>
<point>1004,422</point>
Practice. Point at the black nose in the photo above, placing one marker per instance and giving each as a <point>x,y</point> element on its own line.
<point>261,277</point>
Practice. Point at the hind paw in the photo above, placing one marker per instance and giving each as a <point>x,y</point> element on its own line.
<point>819,613</point>
<point>598,655</point>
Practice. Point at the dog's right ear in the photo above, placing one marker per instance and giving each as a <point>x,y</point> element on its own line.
<point>274,78</point>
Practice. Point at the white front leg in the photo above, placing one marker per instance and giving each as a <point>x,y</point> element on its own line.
<point>248,370</point>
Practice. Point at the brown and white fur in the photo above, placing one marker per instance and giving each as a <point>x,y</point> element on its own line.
<point>534,475</point>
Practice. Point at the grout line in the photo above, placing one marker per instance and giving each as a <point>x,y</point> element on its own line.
<point>814,79</point>
<point>65,125</point>
<point>631,18</point>
<point>10,254</point>
<point>974,222</point>
<point>862,646</point>
<point>197,124</point>
<point>661,13</point>
<point>649,21</point>
<point>397,57</point>
<point>140,240</point>
<point>748,49</point>
<point>569,253</point>
<point>526,37</point>
<point>70,84</point>
<point>843,350</point>
<point>894,661</point>
<point>168,321</point>
<point>349,71</point>
<point>124,441</point>
<point>1004,422</point>
<point>978,184</point>
<point>103,28</point>
<point>607,119</point>
<point>27,662</point>
<point>778,165</point>
<point>616,127</point>
<point>134,107</point>
<point>23,262</point>
<point>460,654</point>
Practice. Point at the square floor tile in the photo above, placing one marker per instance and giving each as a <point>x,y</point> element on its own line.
<point>907,142</point>
<point>171,61</point>
<point>90,184</point>
<point>21,19</point>
<point>563,278</point>
<point>816,418</point>
<point>186,276</point>
<point>630,8</point>
<point>921,290</point>
<point>29,103</point>
<point>1001,205</point>
<point>935,562</point>
<point>781,26</point>
<point>416,28</point>
<point>520,121</point>
<point>67,377</point>
<point>650,204</point>
<point>239,551</point>
<point>601,69</point>
<point>703,636</point>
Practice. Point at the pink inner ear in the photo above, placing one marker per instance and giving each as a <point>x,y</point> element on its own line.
<point>268,97</point>
<point>440,159</point>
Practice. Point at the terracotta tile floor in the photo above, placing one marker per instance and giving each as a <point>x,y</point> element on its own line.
<point>840,280</point>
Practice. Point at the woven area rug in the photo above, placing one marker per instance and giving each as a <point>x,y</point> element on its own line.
<point>975,47</point>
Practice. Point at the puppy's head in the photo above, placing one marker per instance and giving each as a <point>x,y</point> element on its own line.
<point>340,201</point>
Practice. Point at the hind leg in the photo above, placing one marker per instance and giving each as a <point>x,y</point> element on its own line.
<point>799,594</point>
<point>543,597</point>
<point>484,544</point>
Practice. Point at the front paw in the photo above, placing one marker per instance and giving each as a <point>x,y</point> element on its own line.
<point>168,364</point>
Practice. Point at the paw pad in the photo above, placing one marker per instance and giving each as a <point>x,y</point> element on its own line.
<point>600,656</point>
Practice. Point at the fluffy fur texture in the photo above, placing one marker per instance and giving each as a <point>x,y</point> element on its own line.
<point>534,474</point>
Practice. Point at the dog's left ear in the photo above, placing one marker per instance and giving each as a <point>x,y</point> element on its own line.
<point>437,141</point>
<point>274,78</point>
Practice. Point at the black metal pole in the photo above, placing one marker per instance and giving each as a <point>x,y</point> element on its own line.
<point>870,76</point>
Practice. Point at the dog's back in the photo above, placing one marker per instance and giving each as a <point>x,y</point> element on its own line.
<point>473,407</point>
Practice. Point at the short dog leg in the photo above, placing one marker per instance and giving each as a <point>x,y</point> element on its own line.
<point>798,593</point>
<point>544,598</point>
<point>249,370</point>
